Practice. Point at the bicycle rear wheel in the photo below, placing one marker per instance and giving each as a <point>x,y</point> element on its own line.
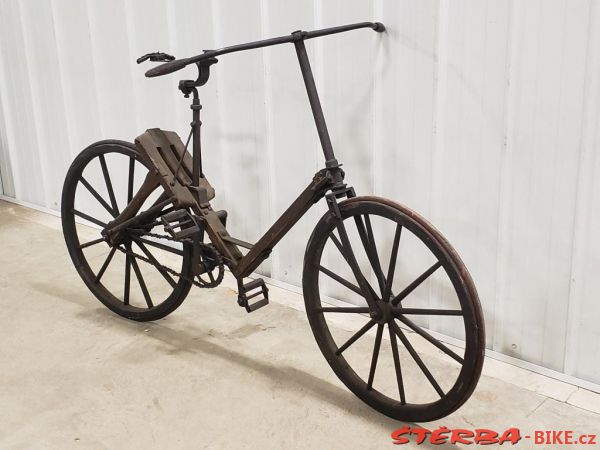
<point>142,287</point>
<point>422,294</point>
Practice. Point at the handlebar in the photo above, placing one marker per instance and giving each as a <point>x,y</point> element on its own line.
<point>178,64</point>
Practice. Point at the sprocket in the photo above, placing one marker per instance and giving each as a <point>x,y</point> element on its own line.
<point>212,262</point>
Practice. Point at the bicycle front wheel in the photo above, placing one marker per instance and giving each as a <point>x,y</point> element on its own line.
<point>393,350</point>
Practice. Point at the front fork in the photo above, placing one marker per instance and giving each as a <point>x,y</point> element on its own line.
<point>331,198</point>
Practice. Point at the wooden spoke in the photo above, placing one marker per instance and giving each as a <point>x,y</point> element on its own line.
<point>421,332</point>
<point>417,359</point>
<point>397,365</point>
<point>89,218</point>
<point>341,280</point>
<point>97,196</point>
<point>368,241</point>
<point>346,250</point>
<point>105,265</point>
<point>415,284</point>
<point>131,179</point>
<point>375,355</point>
<point>158,245</point>
<point>355,337</point>
<point>344,309</point>
<point>109,188</point>
<point>140,278</point>
<point>126,290</point>
<point>156,264</point>
<point>428,312</point>
<point>392,267</point>
<point>90,243</point>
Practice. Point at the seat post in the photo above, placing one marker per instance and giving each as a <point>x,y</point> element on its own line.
<point>188,87</point>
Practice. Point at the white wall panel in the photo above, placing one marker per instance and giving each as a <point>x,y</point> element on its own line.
<point>241,99</point>
<point>48,104</point>
<point>291,144</point>
<point>583,340</point>
<point>544,143</point>
<point>480,115</point>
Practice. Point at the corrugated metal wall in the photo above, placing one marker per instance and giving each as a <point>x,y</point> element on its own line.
<point>481,115</point>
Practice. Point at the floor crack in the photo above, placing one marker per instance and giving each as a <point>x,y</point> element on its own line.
<point>571,395</point>
<point>537,407</point>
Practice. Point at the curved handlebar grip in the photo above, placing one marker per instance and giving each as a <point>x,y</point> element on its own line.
<point>166,68</point>
<point>379,27</point>
<point>141,59</point>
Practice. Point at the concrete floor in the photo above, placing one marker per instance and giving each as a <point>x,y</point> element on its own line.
<point>74,375</point>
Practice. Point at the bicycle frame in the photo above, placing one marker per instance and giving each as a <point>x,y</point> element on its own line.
<point>331,178</point>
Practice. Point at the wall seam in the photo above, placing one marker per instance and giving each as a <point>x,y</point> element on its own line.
<point>94,58</point>
<point>583,198</point>
<point>268,111</point>
<point>217,42</point>
<point>63,82</point>
<point>377,107</point>
<point>35,106</point>
<point>441,80</point>
<point>3,147</point>
<point>130,31</point>
<point>9,136</point>
<point>502,247</point>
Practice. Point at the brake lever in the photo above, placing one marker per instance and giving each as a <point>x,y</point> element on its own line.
<point>156,57</point>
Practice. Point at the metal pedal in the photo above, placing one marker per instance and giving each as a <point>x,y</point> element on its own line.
<point>180,224</point>
<point>244,294</point>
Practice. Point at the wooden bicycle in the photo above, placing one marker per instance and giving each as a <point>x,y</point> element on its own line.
<point>158,219</point>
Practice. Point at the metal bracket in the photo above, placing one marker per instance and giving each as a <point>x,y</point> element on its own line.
<point>341,192</point>
<point>188,86</point>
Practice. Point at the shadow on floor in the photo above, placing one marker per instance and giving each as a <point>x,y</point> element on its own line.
<point>196,339</point>
<point>199,340</point>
